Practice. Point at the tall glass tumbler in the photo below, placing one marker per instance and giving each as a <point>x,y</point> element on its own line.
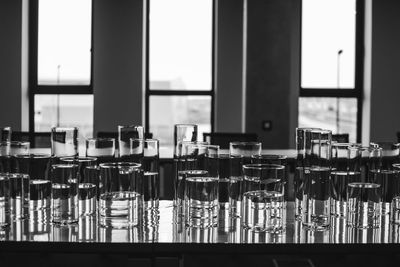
<point>19,191</point>
<point>120,194</point>
<point>37,166</point>
<point>182,133</point>
<point>151,175</point>
<point>345,170</point>
<point>88,182</point>
<point>5,219</point>
<point>5,134</point>
<point>101,148</point>
<point>235,184</point>
<point>315,211</point>
<point>136,150</point>
<point>64,142</point>
<point>389,181</point>
<point>395,209</point>
<point>125,133</point>
<point>64,193</point>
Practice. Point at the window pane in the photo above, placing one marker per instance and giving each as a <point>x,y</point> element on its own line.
<point>166,111</point>
<point>64,111</point>
<point>64,41</point>
<point>328,27</point>
<point>321,112</point>
<point>180,44</point>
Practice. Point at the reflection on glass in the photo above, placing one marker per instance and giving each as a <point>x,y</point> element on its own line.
<point>166,111</point>
<point>180,53</point>
<point>328,44</point>
<point>64,41</point>
<point>64,111</point>
<point>321,112</point>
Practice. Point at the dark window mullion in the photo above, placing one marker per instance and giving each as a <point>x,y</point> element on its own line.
<point>180,92</point>
<point>63,89</point>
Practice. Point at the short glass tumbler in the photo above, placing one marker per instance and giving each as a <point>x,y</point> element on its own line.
<point>363,205</point>
<point>101,148</point>
<point>120,198</point>
<point>264,211</point>
<point>4,201</point>
<point>125,133</point>
<point>64,193</point>
<point>64,142</point>
<point>201,201</point>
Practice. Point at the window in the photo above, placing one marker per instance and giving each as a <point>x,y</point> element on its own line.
<point>179,86</point>
<point>331,66</point>
<point>60,65</point>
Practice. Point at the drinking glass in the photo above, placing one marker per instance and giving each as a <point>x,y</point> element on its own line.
<point>125,133</point>
<point>64,142</point>
<point>235,184</point>
<point>136,150</point>
<point>395,209</point>
<point>19,191</point>
<point>363,200</point>
<point>101,148</point>
<point>390,154</point>
<point>245,149</point>
<point>5,134</point>
<point>389,181</point>
<point>8,150</point>
<point>64,193</point>
<point>37,167</point>
<point>120,194</point>
<point>151,177</point>
<point>182,133</point>
<point>88,182</point>
<point>315,211</point>
<point>345,170</point>
<point>263,206</point>
<point>4,201</point>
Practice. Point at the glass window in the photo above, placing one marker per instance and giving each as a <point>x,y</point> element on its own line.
<point>322,112</point>
<point>180,45</point>
<point>64,42</point>
<point>166,111</point>
<point>64,111</point>
<point>328,43</point>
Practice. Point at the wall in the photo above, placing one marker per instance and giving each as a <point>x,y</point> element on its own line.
<point>117,63</point>
<point>272,70</point>
<point>10,63</point>
<point>385,77</point>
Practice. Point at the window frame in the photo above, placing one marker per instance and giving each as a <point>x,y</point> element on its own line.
<point>167,92</point>
<point>357,91</point>
<point>34,87</point>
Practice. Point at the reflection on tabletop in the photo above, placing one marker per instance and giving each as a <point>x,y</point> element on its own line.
<point>167,227</point>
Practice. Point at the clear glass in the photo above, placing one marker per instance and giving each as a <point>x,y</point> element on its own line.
<point>64,111</point>
<point>120,194</point>
<point>245,149</point>
<point>64,42</point>
<point>64,142</point>
<point>136,150</point>
<point>363,205</point>
<point>8,150</point>
<point>389,182</point>
<point>344,171</point>
<point>201,201</point>
<point>125,133</point>
<point>4,203</point>
<point>101,148</point>
<point>322,112</point>
<point>180,53</point>
<point>151,176</point>
<point>19,148</point>
<point>19,192</point>
<point>183,133</point>
<point>235,184</point>
<point>390,154</point>
<point>328,43</point>
<point>64,193</point>
<point>166,111</point>
<point>264,211</point>
<point>5,134</point>
<point>229,168</point>
<point>88,182</point>
<point>269,159</point>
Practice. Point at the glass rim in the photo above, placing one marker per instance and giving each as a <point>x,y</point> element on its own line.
<point>227,155</point>
<point>195,171</point>
<point>96,139</point>
<point>364,185</point>
<point>245,143</point>
<point>185,125</point>
<point>151,140</point>
<point>258,193</point>
<point>20,143</point>
<point>9,174</point>
<point>269,156</point>
<point>110,165</point>
<point>383,145</point>
<point>34,155</point>
<point>321,131</point>
<point>60,129</point>
<point>396,165</point>
<point>262,166</point>
<point>196,178</point>
<point>61,165</point>
<point>130,126</point>
<point>79,159</point>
